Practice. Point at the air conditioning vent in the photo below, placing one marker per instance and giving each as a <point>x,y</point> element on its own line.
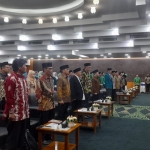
<point>60,42</point>
<point>35,42</point>
<point>108,39</point>
<point>8,43</point>
<point>80,41</point>
<point>139,35</point>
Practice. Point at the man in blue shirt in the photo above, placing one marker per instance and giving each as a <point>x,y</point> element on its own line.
<point>108,82</point>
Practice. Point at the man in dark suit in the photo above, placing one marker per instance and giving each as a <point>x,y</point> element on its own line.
<point>77,94</point>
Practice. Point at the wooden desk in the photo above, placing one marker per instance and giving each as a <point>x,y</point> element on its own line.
<point>119,96</point>
<point>134,94</point>
<point>110,106</point>
<point>93,124</point>
<point>61,145</point>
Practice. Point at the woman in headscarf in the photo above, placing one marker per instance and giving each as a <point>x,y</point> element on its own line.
<point>31,82</point>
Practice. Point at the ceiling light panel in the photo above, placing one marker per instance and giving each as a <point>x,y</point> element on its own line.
<point>6,19</point>
<point>24,38</point>
<point>24,21</point>
<point>56,37</point>
<point>80,15</point>
<point>54,20</point>
<point>95,2</point>
<point>51,47</point>
<point>21,48</point>
<point>93,10</point>
<point>67,18</point>
<point>40,21</point>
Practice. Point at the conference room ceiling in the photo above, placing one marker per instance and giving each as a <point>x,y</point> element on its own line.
<point>118,27</point>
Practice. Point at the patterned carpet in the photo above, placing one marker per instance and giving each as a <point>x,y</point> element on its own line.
<point>132,112</point>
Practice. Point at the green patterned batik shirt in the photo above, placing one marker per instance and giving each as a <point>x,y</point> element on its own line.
<point>86,82</point>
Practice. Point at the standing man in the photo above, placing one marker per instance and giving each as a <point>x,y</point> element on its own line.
<point>102,80</point>
<point>77,93</point>
<point>95,85</point>
<point>16,107</point>
<point>71,74</point>
<point>63,91</point>
<point>137,81</point>
<point>5,68</point>
<point>118,82</point>
<point>114,86</point>
<point>147,83</point>
<point>108,82</point>
<point>45,94</point>
<point>86,83</point>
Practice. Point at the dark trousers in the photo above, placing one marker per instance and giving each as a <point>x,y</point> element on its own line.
<point>147,88</point>
<point>95,97</point>
<point>45,116</point>
<point>109,92</point>
<point>16,135</point>
<point>63,111</point>
<point>2,104</point>
<point>114,95</point>
<point>123,87</point>
<point>85,103</point>
<point>76,104</point>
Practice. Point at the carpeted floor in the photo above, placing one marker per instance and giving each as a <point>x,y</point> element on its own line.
<point>128,129</point>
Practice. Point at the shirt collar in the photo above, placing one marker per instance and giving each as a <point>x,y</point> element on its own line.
<point>19,75</point>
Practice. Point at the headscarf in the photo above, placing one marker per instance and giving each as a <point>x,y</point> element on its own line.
<point>31,78</point>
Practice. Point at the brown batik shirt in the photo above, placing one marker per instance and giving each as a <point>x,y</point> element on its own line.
<point>45,93</point>
<point>63,89</point>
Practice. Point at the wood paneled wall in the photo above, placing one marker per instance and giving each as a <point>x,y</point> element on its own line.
<point>130,66</point>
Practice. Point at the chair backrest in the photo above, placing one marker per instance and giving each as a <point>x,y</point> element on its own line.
<point>32,100</point>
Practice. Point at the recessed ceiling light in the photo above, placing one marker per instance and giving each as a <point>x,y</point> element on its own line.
<point>95,57</point>
<point>24,57</point>
<point>46,55</point>
<point>93,10</point>
<point>143,51</point>
<point>58,55</point>
<point>126,54</point>
<point>51,58</point>
<point>23,38</point>
<point>80,58</point>
<point>18,55</point>
<point>31,58</point>
<point>56,37</point>
<point>149,15</point>
<point>39,59</point>
<point>40,21</point>
<point>76,50</point>
<point>54,20</point>
<point>128,57</point>
<point>51,47</point>
<point>6,19</point>
<point>101,55</point>
<point>24,21</point>
<point>109,53</point>
<point>64,57</point>
<point>67,18</point>
<point>21,48</point>
<point>39,56</point>
<point>1,38</point>
<point>80,15</point>
<point>95,2</point>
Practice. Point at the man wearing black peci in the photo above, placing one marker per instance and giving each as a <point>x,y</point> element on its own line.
<point>77,93</point>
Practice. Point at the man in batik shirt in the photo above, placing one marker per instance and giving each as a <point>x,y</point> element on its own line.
<point>3,75</point>
<point>45,94</point>
<point>63,91</point>
<point>16,107</point>
<point>86,83</point>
